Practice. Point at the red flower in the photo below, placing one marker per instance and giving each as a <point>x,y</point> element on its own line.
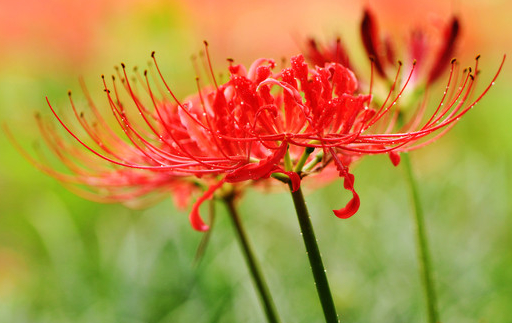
<point>383,53</point>
<point>427,64</point>
<point>432,60</point>
<point>260,123</point>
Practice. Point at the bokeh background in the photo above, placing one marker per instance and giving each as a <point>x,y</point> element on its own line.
<point>66,259</point>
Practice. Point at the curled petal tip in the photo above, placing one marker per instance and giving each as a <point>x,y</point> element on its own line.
<point>195,218</point>
<point>196,221</point>
<point>348,182</point>
<point>350,209</point>
<point>395,158</point>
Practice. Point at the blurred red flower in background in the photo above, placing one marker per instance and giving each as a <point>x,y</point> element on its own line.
<point>429,50</point>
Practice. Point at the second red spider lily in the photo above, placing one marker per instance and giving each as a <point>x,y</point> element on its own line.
<point>430,48</point>
<point>260,123</point>
<point>383,51</point>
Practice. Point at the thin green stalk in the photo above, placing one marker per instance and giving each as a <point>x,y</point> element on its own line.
<point>425,262</point>
<point>257,276</point>
<point>315,259</point>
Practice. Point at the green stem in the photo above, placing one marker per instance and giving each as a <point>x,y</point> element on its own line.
<point>315,259</point>
<point>303,159</point>
<point>257,276</point>
<point>425,262</point>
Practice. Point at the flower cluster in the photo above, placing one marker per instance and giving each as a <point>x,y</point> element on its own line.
<point>262,122</point>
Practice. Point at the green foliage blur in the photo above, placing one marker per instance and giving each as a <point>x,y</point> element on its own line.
<point>65,259</point>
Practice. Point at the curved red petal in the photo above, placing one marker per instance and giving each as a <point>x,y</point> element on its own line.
<point>348,183</point>
<point>350,209</point>
<point>395,158</point>
<point>194,217</point>
<point>353,205</point>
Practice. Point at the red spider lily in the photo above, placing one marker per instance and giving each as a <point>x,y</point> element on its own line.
<point>431,60</point>
<point>258,124</point>
<point>383,54</point>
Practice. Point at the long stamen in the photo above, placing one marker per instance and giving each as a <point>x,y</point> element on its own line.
<point>172,93</point>
<point>383,111</point>
<point>207,52</point>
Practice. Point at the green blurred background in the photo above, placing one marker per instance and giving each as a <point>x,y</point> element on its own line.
<point>65,259</point>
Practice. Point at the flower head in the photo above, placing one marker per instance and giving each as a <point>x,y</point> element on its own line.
<point>261,122</point>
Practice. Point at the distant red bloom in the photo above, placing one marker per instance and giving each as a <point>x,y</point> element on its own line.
<point>383,53</point>
<point>260,123</point>
<point>432,58</point>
